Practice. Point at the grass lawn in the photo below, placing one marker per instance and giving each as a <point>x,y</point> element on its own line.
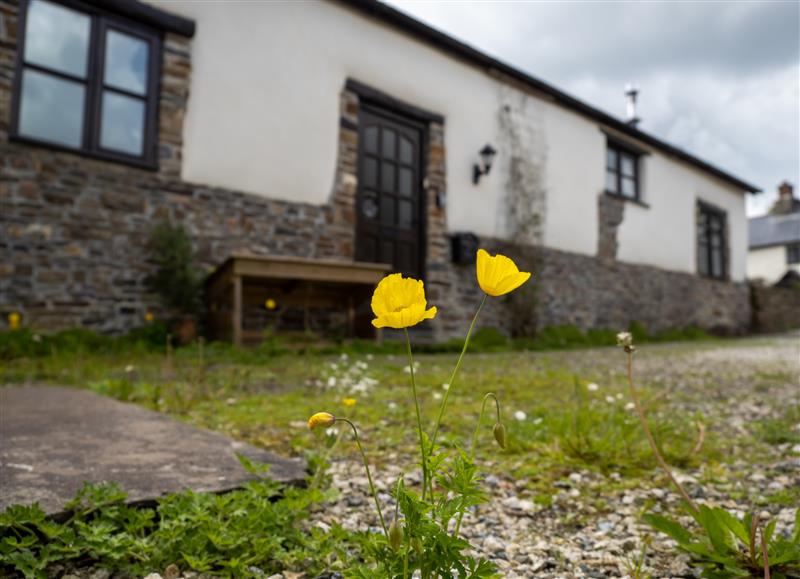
<point>560,408</point>
<point>721,409</point>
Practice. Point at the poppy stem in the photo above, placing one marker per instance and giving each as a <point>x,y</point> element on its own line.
<point>453,375</point>
<point>652,441</point>
<point>480,419</point>
<point>475,443</point>
<point>369,474</point>
<point>423,454</point>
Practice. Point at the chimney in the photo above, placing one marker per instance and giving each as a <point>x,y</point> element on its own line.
<point>786,203</point>
<point>631,92</point>
<point>785,191</point>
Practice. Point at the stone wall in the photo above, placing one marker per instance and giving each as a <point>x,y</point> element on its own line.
<point>610,213</point>
<point>775,309</point>
<point>587,292</point>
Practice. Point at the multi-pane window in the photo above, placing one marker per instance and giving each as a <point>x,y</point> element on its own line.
<point>87,81</point>
<point>622,172</point>
<point>793,253</point>
<point>711,250</point>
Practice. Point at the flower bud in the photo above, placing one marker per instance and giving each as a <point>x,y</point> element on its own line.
<point>416,543</point>
<point>500,434</point>
<point>395,536</point>
<point>324,419</point>
<point>625,340</point>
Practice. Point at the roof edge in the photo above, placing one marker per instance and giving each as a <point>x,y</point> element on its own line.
<point>418,29</point>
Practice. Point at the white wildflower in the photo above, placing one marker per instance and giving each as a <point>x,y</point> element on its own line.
<point>610,399</point>
<point>445,386</point>
<point>331,381</point>
<point>619,395</point>
<point>537,421</point>
<point>392,406</point>
<point>592,387</point>
<point>520,415</point>
<point>129,369</point>
<point>437,396</point>
<point>630,406</point>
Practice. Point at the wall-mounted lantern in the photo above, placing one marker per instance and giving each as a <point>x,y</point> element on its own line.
<point>487,156</point>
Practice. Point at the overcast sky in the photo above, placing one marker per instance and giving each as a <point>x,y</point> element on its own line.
<point>719,79</point>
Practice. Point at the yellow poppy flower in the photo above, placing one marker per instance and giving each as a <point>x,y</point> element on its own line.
<point>270,304</point>
<point>399,302</point>
<point>349,401</point>
<point>149,317</point>
<point>323,419</point>
<point>14,321</point>
<point>499,275</point>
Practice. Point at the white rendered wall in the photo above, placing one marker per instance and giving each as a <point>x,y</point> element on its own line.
<point>768,264</point>
<point>576,153</point>
<point>263,118</point>
<point>264,107</point>
<point>665,233</point>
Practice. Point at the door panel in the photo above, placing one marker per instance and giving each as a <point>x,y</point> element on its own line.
<point>389,203</point>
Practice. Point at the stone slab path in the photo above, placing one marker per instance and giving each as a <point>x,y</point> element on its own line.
<point>52,439</point>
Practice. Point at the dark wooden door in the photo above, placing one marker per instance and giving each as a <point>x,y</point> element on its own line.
<point>389,204</point>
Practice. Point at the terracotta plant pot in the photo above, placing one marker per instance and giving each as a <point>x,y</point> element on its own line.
<point>184,330</point>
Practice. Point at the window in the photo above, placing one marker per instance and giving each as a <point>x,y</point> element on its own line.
<point>711,250</point>
<point>87,81</point>
<point>793,253</point>
<point>622,172</point>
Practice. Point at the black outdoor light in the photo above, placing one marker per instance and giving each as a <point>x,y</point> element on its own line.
<point>487,156</point>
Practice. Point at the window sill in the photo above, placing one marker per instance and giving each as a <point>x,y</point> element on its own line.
<point>98,155</point>
<point>724,278</point>
<point>629,199</point>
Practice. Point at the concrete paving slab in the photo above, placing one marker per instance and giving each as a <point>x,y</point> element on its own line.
<point>52,439</point>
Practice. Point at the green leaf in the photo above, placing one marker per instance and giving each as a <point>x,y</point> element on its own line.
<point>668,527</point>
<point>736,526</point>
<point>717,532</point>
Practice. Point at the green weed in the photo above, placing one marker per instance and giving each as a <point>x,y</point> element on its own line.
<point>245,533</point>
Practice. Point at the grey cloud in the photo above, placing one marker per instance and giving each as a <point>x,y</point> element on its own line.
<point>721,80</point>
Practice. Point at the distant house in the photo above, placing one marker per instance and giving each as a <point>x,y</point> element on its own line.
<point>775,240</point>
<point>345,130</point>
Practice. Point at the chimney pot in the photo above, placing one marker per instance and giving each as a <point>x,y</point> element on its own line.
<point>631,92</point>
<point>785,190</point>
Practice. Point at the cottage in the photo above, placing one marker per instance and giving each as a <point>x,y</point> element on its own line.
<point>338,129</point>
<point>774,254</point>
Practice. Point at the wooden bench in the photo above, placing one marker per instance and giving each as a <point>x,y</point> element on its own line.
<point>245,281</point>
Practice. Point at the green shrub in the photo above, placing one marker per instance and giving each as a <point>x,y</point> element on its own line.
<point>153,335</point>
<point>25,343</point>
<point>488,340</point>
<point>175,280</point>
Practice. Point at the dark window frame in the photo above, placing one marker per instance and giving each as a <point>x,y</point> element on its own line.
<point>101,21</point>
<point>621,150</point>
<point>793,253</point>
<point>706,215</point>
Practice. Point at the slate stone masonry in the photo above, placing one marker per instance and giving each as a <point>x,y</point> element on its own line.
<point>73,232</point>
